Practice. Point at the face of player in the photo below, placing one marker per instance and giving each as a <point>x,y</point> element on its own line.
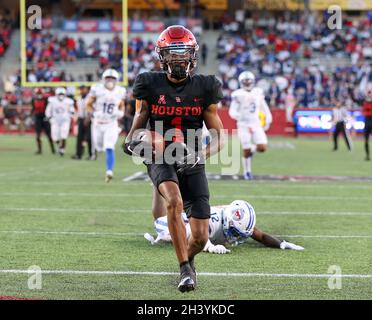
<point>178,62</point>
<point>110,83</point>
<point>369,95</point>
<point>61,97</point>
<point>247,84</point>
<point>83,91</point>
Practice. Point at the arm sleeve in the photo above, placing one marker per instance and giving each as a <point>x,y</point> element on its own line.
<point>140,90</point>
<point>234,110</point>
<point>214,91</point>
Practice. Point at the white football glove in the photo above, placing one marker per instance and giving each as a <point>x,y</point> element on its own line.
<point>162,237</point>
<point>218,249</point>
<point>291,246</point>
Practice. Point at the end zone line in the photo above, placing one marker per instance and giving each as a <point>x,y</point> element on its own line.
<point>206,274</point>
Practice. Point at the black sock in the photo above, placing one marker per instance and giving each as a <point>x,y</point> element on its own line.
<point>192,264</point>
<point>184,263</point>
<point>185,267</point>
<point>366,147</point>
<point>38,141</point>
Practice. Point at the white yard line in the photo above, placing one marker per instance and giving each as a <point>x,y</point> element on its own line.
<point>95,210</point>
<point>294,184</point>
<point>74,233</point>
<point>107,210</point>
<point>279,184</point>
<point>325,236</point>
<point>34,171</point>
<point>139,234</point>
<point>146,195</point>
<point>206,274</point>
<point>321,213</point>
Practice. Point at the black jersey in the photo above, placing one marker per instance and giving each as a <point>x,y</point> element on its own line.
<point>39,106</point>
<point>177,106</point>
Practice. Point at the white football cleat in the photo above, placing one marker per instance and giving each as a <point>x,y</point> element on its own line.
<point>109,176</point>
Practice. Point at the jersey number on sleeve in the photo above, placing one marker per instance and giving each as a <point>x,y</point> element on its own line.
<point>215,217</point>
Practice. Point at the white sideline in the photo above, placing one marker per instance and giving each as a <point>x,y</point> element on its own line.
<point>145,195</point>
<point>207,274</point>
<point>139,234</point>
<point>98,210</point>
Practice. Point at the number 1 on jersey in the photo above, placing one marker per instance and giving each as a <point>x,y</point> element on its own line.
<point>177,124</point>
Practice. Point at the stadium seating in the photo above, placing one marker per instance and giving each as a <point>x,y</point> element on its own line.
<point>285,54</point>
<point>5,31</point>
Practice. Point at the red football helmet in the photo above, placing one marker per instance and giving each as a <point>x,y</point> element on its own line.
<point>177,49</point>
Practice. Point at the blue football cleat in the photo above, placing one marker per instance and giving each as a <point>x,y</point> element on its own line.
<point>248,176</point>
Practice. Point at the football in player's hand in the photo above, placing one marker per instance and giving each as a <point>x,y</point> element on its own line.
<point>155,139</point>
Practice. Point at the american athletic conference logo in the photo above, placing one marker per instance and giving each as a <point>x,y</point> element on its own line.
<point>162,99</point>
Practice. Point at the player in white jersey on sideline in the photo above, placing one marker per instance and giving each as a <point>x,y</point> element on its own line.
<point>59,111</point>
<point>246,105</point>
<point>106,104</point>
<point>231,224</point>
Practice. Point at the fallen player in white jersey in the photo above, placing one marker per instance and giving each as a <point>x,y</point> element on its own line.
<point>228,225</point>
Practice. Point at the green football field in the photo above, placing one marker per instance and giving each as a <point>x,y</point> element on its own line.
<point>87,236</point>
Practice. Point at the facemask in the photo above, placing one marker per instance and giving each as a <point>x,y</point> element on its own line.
<point>61,97</point>
<point>248,85</point>
<point>109,84</point>
<point>178,71</point>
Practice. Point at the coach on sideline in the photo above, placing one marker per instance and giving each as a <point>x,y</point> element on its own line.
<point>339,119</point>
<point>84,134</point>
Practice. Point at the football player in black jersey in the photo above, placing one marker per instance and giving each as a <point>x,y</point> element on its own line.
<point>39,104</point>
<point>175,103</point>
